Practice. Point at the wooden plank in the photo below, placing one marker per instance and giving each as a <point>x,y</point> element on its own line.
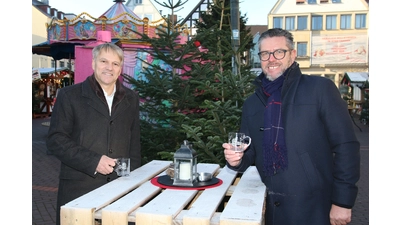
<point>203,209</point>
<point>73,216</point>
<point>165,207</point>
<point>246,204</point>
<point>117,213</point>
<point>84,206</point>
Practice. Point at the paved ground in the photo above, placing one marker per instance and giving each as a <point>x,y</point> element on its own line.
<point>45,169</point>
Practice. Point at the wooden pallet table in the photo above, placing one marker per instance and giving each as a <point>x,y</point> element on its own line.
<point>239,199</point>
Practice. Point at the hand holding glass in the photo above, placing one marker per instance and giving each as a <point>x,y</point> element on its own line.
<point>239,141</point>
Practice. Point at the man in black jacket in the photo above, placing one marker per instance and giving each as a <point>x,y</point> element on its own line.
<point>92,124</point>
<point>303,141</point>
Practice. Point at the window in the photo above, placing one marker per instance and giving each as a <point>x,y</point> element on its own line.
<point>289,23</point>
<point>138,2</point>
<point>302,23</point>
<point>316,22</point>
<point>302,49</point>
<point>62,63</point>
<point>331,22</point>
<point>361,21</point>
<point>53,64</point>
<point>277,22</point>
<point>345,21</point>
<point>336,1</point>
<point>312,1</point>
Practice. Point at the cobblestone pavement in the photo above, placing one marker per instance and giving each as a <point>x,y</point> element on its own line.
<point>45,169</point>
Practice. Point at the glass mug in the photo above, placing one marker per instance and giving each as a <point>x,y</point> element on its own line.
<point>239,141</point>
<point>122,166</point>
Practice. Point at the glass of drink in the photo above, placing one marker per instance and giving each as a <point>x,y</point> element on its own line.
<point>239,141</point>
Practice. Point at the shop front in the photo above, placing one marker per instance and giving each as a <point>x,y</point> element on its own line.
<point>45,83</point>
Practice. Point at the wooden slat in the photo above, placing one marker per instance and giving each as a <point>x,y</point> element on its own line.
<point>74,216</point>
<point>84,206</point>
<point>117,213</point>
<point>207,203</point>
<point>164,207</point>
<point>245,207</point>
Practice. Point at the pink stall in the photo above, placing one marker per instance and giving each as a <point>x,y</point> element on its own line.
<point>85,32</point>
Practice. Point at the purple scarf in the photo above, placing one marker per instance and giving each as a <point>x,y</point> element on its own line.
<point>274,148</point>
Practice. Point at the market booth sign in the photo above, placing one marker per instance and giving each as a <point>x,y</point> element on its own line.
<point>35,75</point>
<point>38,73</point>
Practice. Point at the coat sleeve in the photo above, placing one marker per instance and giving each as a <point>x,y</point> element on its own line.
<point>344,145</point>
<point>60,140</point>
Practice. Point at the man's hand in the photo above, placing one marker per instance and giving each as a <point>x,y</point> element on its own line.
<point>106,165</point>
<point>339,215</point>
<point>232,157</point>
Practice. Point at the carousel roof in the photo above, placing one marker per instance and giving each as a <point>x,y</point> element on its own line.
<point>117,9</point>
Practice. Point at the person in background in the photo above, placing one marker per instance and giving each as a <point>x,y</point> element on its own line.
<point>92,124</point>
<point>303,141</point>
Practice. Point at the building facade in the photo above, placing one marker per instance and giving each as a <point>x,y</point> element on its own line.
<point>331,36</point>
<point>43,13</point>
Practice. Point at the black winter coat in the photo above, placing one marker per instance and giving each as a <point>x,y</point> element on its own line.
<point>323,151</point>
<point>82,130</point>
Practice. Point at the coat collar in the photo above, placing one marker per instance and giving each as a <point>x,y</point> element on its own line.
<point>293,73</point>
<point>91,89</point>
<point>119,93</point>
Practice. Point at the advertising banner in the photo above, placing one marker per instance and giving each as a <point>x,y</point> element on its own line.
<point>339,49</point>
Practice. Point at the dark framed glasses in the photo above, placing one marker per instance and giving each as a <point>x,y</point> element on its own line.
<point>278,54</point>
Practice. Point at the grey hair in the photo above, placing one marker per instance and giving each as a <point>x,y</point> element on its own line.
<point>108,47</point>
<point>277,32</point>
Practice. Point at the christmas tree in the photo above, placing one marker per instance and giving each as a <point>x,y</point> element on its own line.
<point>195,98</point>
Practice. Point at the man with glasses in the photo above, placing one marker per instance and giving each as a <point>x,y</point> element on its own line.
<point>303,140</point>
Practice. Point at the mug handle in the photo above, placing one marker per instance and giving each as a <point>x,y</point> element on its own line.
<point>249,138</point>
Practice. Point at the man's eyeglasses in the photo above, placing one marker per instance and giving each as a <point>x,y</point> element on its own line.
<point>278,54</point>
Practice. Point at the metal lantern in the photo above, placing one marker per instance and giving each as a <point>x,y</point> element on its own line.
<point>185,165</point>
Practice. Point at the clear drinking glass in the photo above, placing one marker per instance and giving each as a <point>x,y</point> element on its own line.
<point>239,141</point>
<point>122,166</point>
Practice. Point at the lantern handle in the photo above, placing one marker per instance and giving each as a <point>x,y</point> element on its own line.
<point>186,142</point>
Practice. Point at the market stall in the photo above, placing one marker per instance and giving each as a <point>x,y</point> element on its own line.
<point>45,83</point>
